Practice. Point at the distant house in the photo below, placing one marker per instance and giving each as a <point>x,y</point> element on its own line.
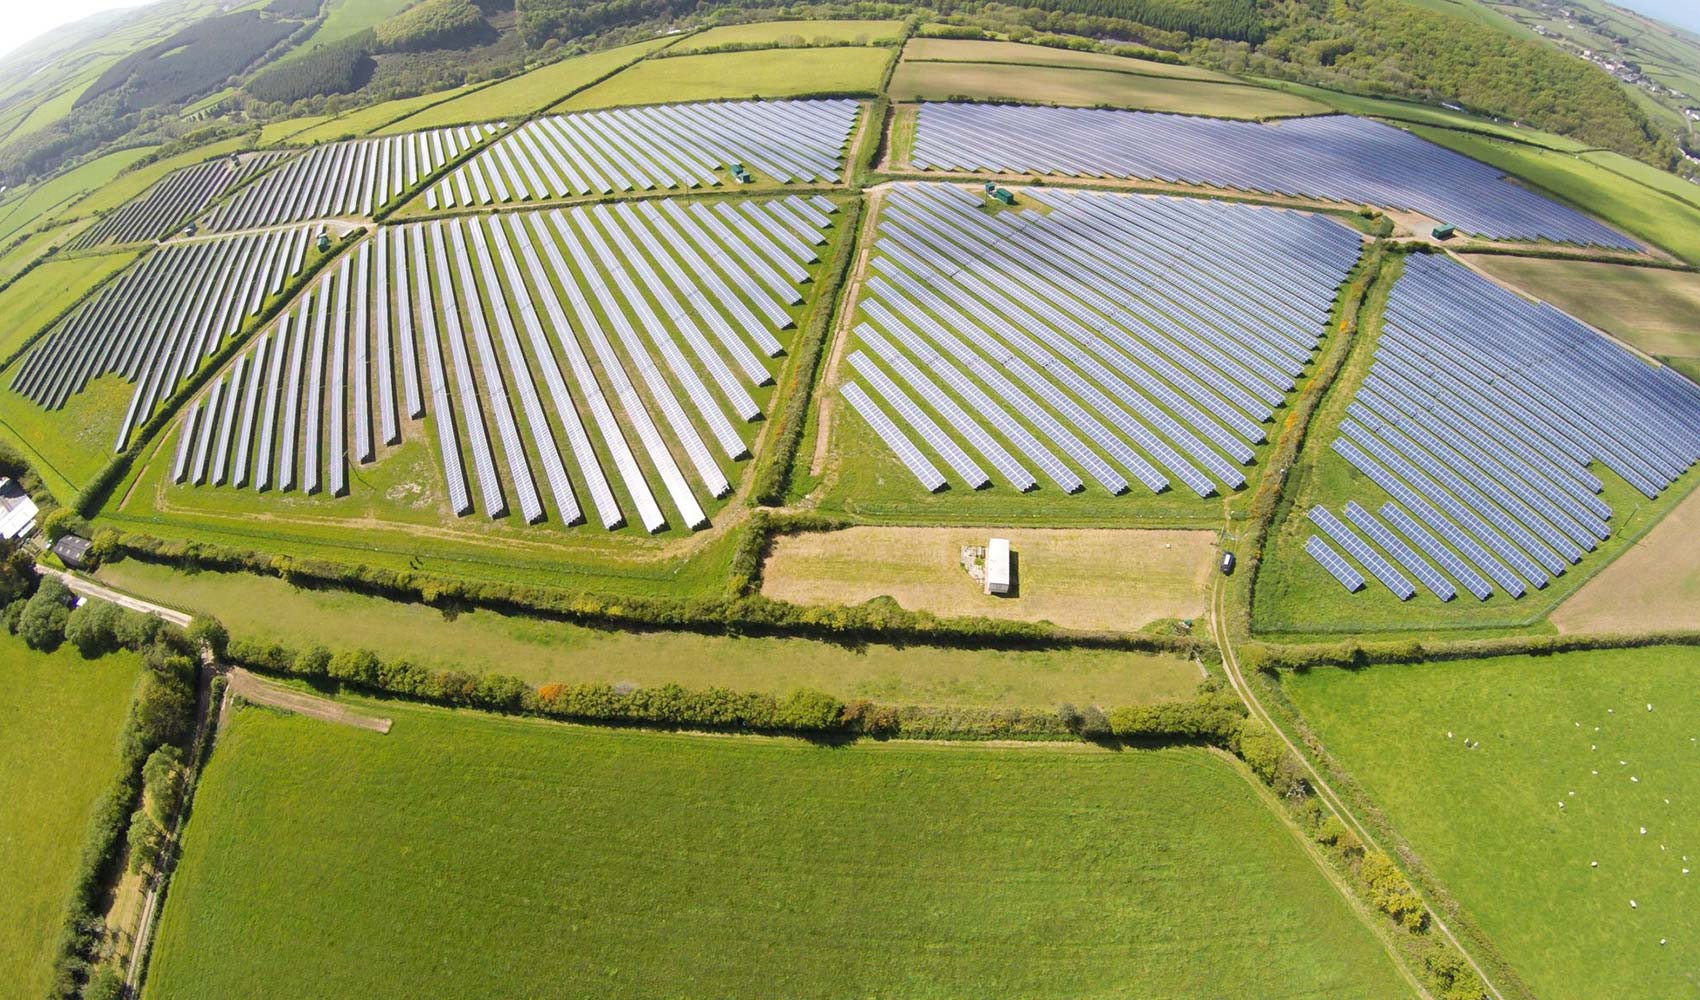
<point>997,566</point>
<point>17,510</point>
<point>72,551</point>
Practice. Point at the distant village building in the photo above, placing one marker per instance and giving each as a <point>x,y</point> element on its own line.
<point>17,510</point>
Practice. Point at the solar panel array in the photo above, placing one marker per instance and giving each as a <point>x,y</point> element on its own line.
<point>1481,419</point>
<point>540,345</point>
<point>659,147</point>
<point>1335,157</point>
<point>160,319</point>
<point>176,199</point>
<point>354,178</point>
<point>1113,336</point>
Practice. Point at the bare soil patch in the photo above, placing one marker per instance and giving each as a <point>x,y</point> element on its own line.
<point>1654,586</point>
<point>1098,578</point>
<point>264,692</point>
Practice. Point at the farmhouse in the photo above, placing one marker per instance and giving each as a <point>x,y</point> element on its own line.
<point>17,510</point>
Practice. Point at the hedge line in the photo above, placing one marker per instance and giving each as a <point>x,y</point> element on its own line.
<point>772,477</point>
<point>1271,657</point>
<point>1271,498</point>
<point>1212,718</point>
<point>881,621</point>
<point>94,494</point>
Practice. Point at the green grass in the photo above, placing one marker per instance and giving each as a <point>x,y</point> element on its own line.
<point>37,204</point>
<point>129,185</point>
<point>66,447</point>
<point>345,18</point>
<point>266,609</point>
<point>964,50</point>
<point>1486,821</point>
<point>61,715</point>
<point>740,75</point>
<point>1297,597</point>
<point>364,121</point>
<point>528,92</point>
<point>795,33</point>
<point>33,300</point>
<point>27,248</point>
<point>939,81</point>
<point>501,857</point>
<point>274,133</point>
<point>1637,209</point>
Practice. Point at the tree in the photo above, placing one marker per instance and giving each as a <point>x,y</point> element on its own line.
<point>43,621</point>
<point>146,840</point>
<point>93,627</point>
<point>208,633</point>
<point>105,984</point>
<point>62,521</point>
<point>807,709</point>
<point>165,710</point>
<point>162,783</point>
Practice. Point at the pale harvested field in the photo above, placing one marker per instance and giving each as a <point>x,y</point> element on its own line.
<point>968,50</point>
<point>1084,578</point>
<point>1656,310</point>
<point>1653,586</point>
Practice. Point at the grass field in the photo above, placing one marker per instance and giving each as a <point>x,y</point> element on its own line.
<point>276,132</point>
<point>499,857</point>
<point>1088,579</point>
<point>61,715</point>
<point>939,81</point>
<point>1488,823</point>
<point>740,75</point>
<point>37,297</point>
<point>528,92</point>
<point>27,248</point>
<point>365,121</point>
<point>33,206</point>
<point>1637,209</point>
<point>1655,585</point>
<point>269,610</point>
<point>1655,310</point>
<point>67,446</point>
<point>966,50</point>
<point>344,18</point>
<point>795,33</point>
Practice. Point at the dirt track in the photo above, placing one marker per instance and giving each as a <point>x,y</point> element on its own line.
<point>264,692</point>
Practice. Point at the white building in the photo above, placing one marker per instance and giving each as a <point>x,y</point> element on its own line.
<point>997,566</point>
<point>17,511</point>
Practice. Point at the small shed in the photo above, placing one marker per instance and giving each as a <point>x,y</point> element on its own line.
<point>1445,231</point>
<point>1004,195</point>
<point>997,566</point>
<point>72,550</point>
<point>324,243</point>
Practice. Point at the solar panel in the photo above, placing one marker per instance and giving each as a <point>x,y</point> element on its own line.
<point>931,478</point>
<point>1330,560</point>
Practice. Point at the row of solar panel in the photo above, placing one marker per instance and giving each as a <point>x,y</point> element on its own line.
<point>158,322</point>
<point>648,278</point>
<point>357,177</point>
<point>1471,419</point>
<point>1336,157</point>
<point>649,148</point>
<point>1116,335</point>
<point>174,200</point>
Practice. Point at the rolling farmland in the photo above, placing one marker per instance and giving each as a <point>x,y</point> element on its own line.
<point>1096,343</point>
<point>656,148</point>
<point>1337,157</point>
<point>409,324</point>
<point>158,321</point>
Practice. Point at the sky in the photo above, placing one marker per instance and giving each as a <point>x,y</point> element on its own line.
<point>32,18</point>
<point>1682,13</point>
